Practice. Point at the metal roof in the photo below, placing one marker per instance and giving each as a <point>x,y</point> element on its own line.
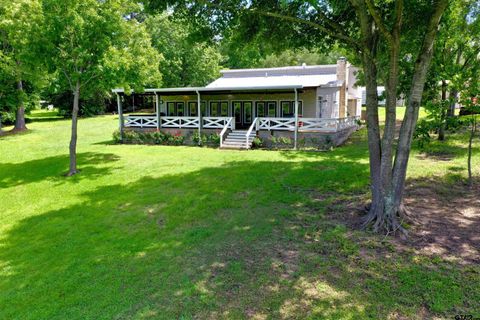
<point>194,90</point>
<point>262,79</point>
<point>283,80</point>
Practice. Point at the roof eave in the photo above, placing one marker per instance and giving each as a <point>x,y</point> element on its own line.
<point>212,89</point>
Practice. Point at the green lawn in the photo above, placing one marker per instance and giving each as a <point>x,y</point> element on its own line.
<point>158,232</point>
<point>400,113</point>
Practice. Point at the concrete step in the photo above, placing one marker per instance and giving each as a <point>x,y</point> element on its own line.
<point>233,133</point>
<point>233,147</point>
<point>236,138</point>
<point>236,143</point>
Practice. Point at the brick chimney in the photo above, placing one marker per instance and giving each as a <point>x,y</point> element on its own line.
<point>342,76</point>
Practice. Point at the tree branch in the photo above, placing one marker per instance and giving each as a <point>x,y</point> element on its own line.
<point>339,36</point>
<point>378,21</point>
<point>68,79</point>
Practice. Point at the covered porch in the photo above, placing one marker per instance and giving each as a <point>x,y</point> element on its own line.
<point>240,112</point>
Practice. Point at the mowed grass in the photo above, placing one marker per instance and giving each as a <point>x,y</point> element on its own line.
<point>158,232</point>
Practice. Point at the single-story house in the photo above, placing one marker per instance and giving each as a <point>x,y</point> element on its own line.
<point>299,103</point>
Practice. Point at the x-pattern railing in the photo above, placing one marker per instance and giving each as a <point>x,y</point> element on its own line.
<point>306,124</point>
<point>287,124</point>
<point>281,124</point>
<point>215,122</point>
<point>179,122</point>
<point>140,121</point>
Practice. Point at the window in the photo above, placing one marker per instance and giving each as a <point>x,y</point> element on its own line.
<point>247,109</point>
<point>288,109</point>
<point>176,109</point>
<point>171,110</point>
<point>224,109</point>
<point>218,109</point>
<point>193,109</point>
<point>260,109</point>
<point>266,109</point>
<point>180,109</point>
<point>272,109</point>
<point>213,109</point>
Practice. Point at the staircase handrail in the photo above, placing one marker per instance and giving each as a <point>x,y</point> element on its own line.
<point>225,128</point>
<point>249,132</point>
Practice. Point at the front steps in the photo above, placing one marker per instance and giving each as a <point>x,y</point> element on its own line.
<point>237,140</point>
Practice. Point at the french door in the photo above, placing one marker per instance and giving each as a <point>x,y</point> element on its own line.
<point>243,113</point>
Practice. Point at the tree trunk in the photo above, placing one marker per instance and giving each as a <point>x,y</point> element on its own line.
<point>387,211</point>
<point>411,114</point>
<point>443,115</point>
<point>73,140</point>
<point>453,101</point>
<point>470,142</point>
<point>20,112</point>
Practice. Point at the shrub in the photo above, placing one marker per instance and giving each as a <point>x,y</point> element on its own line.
<point>7,118</point>
<point>88,107</point>
<point>257,142</point>
<point>196,138</point>
<point>422,133</point>
<point>163,138</point>
<point>116,136</point>
<point>281,142</point>
<point>214,139</point>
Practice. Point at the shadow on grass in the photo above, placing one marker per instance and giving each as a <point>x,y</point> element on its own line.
<point>448,214</point>
<point>225,242</point>
<point>54,168</point>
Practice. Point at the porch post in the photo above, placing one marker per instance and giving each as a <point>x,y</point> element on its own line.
<point>296,121</point>
<point>200,120</point>
<point>157,110</point>
<point>120,116</point>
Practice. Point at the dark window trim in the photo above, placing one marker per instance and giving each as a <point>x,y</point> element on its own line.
<point>292,107</point>
<point>266,108</point>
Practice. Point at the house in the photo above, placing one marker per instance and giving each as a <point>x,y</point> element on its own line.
<point>306,104</point>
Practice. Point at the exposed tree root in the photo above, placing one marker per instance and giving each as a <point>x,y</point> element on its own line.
<point>18,130</point>
<point>72,173</point>
<point>380,222</point>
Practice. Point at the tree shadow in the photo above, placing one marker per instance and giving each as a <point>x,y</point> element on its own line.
<point>54,169</point>
<point>353,149</point>
<point>241,240</point>
<point>447,211</point>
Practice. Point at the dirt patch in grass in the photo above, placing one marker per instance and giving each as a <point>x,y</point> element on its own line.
<point>446,215</point>
<point>448,219</point>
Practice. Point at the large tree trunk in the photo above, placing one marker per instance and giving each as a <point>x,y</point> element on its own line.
<point>422,65</point>
<point>387,211</point>
<point>73,140</point>
<point>383,211</point>
<point>20,112</point>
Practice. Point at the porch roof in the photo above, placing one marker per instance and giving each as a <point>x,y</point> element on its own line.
<point>218,90</point>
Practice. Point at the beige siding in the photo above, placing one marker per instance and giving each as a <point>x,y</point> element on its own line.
<point>307,96</point>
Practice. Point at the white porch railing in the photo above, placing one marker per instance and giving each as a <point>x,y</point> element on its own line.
<point>179,122</point>
<point>229,125</point>
<point>347,122</point>
<point>281,124</point>
<point>215,122</point>
<point>316,124</point>
<point>306,124</point>
<point>140,121</point>
<point>286,124</point>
